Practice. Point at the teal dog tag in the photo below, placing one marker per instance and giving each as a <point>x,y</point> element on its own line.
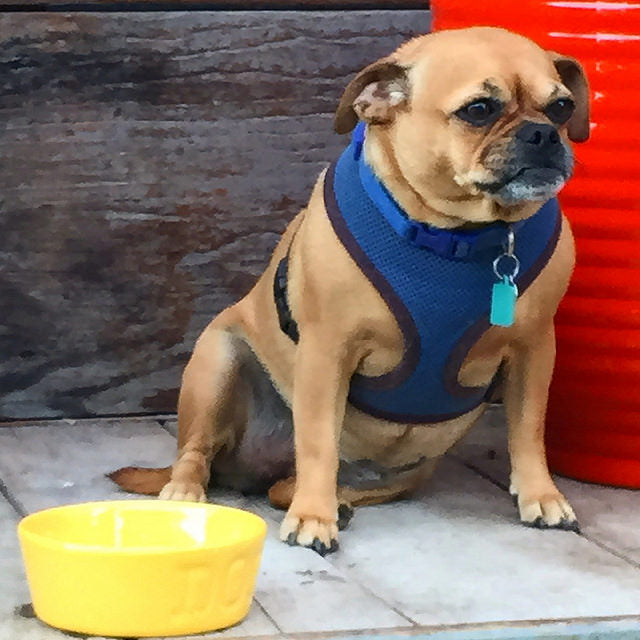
<point>503,302</point>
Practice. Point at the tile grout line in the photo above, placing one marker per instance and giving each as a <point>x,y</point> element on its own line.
<point>366,589</point>
<point>16,505</point>
<point>498,626</point>
<point>610,550</point>
<point>268,615</point>
<point>162,422</point>
<point>397,611</point>
<point>479,471</point>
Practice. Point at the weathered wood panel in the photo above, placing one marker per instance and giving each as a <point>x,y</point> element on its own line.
<point>244,5</point>
<point>148,163</point>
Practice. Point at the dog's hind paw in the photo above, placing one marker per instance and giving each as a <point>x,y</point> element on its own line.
<point>314,534</point>
<point>345,514</point>
<point>186,491</point>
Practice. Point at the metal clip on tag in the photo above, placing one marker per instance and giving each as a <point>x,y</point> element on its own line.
<point>505,293</point>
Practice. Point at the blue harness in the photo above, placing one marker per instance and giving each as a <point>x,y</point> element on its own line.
<point>437,283</point>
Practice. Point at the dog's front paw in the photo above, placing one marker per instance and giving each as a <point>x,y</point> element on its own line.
<point>187,491</point>
<point>319,535</point>
<point>547,511</point>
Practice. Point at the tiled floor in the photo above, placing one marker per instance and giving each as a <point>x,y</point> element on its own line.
<point>451,563</point>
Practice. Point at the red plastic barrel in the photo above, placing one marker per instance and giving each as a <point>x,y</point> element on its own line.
<point>593,421</point>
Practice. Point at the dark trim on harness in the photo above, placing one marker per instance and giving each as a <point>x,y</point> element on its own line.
<point>412,343</point>
<point>281,298</point>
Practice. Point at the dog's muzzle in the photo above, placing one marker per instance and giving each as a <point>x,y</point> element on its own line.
<point>537,165</point>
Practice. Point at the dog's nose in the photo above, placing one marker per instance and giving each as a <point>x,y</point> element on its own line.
<point>538,134</point>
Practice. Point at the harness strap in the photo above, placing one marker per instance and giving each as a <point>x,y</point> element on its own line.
<point>451,244</point>
<point>281,298</point>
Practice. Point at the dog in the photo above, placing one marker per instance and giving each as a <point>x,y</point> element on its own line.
<point>419,283</point>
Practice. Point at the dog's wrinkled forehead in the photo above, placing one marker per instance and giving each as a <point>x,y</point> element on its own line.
<point>448,70</point>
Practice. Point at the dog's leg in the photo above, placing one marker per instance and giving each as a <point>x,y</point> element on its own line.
<point>391,484</point>
<point>526,392</point>
<point>281,496</point>
<point>319,400</point>
<point>206,386</point>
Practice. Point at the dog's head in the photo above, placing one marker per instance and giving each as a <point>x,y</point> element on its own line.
<point>475,122</point>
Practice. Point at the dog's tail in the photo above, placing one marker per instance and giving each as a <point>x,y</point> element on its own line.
<point>139,480</point>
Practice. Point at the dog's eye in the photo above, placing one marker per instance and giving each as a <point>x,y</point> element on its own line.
<point>480,112</point>
<point>559,111</point>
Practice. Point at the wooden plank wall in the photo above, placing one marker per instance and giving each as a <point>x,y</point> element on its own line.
<point>149,160</point>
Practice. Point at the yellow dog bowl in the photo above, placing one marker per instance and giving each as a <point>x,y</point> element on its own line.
<point>141,567</point>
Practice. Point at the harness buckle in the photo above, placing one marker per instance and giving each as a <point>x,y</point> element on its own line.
<point>445,243</point>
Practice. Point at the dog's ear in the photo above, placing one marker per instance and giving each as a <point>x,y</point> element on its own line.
<point>574,78</point>
<point>373,95</point>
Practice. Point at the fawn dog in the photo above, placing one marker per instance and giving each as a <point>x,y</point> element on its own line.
<point>421,278</point>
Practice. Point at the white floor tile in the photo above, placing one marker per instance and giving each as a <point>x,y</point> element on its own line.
<point>61,463</point>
